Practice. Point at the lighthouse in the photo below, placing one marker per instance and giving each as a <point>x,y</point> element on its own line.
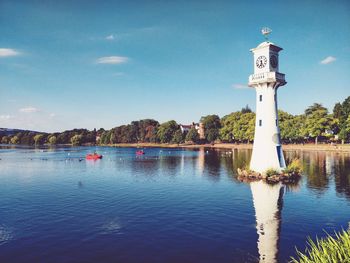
<point>266,79</point>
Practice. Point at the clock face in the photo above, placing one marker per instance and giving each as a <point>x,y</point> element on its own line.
<point>261,61</point>
<point>273,61</point>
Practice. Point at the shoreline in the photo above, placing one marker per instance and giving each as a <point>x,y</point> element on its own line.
<point>338,148</point>
<point>286,147</point>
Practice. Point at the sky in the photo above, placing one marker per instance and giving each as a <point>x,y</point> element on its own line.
<point>92,64</point>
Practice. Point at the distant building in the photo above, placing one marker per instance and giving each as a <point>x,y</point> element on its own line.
<point>185,128</point>
<point>201,131</point>
<point>198,126</point>
<point>329,132</point>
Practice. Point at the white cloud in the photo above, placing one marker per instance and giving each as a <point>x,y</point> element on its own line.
<point>8,52</point>
<point>328,60</point>
<point>112,60</point>
<point>5,117</point>
<point>52,115</point>
<point>240,86</point>
<point>29,109</point>
<point>110,37</point>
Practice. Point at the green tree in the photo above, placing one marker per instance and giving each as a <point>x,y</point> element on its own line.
<point>104,139</point>
<point>238,127</point>
<point>212,135</point>
<point>346,107</point>
<point>27,138</point>
<point>151,133</point>
<point>178,137</point>
<point>143,129</point>
<point>341,113</point>
<point>5,140</point>
<point>192,135</point>
<point>228,126</point>
<point>344,133</point>
<point>246,109</point>
<point>338,111</point>
<point>76,140</point>
<point>244,128</point>
<point>39,139</point>
<point>166,131</point>
<point>317,121</point>
<point>212,126</point>
<point>52,140</point>
<point>14,140</point>
<point>291,127</point>
<point>315,107</point>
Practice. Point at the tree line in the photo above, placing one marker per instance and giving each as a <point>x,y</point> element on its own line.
<point>314,125</point>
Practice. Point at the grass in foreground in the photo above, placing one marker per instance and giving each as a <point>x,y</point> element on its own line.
<point>326,250</point>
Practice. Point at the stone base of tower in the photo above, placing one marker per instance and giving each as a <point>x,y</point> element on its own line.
<point>267,157</point>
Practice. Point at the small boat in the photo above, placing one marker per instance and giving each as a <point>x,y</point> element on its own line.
<point>93,156</point>
<point>140,152</point>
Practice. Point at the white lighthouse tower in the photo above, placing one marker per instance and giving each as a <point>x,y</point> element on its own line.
<point>267,150</point>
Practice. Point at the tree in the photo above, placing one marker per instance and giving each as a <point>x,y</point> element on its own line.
<point>76,139</point>
<point>228,123</point>
<point>27,138</point>
<point>244,128</point>
<point>317,121</point>
<point>315,107</point>
<point>346,107</point>
<point>144,127</point>
<point>291,126</point>
<point>63,138</point>
<point>212,126</point>
<point>166,131</point>
<point>344,133</point>
<point>151,133</point>
<point>238,127</point>
<point>14,140</point>
<point>338,111</point>
<point>341,112</point>
<point>52,140</point>
<point>212,135</point>
<point>178,137</point>
<point>192,135</point>
<point>5,140</point>
<point>104,139</point>
<point>113,136</point>
<point>39,139</point>
<point>246,109</point>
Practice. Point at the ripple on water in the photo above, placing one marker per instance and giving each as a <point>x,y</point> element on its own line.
<point>6,234</point>
<point>111,227</point>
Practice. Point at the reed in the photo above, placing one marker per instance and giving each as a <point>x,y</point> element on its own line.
<point>326,250</point>
<point>295,167</point>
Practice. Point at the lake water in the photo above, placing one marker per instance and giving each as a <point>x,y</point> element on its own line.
<point>169,205</point>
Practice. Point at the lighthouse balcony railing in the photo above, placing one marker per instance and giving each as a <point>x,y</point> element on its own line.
<point>266,77</point>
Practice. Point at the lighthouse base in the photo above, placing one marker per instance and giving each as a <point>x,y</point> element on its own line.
<point>265,158</point>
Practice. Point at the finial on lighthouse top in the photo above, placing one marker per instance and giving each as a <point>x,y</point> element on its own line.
<point>266,31</point>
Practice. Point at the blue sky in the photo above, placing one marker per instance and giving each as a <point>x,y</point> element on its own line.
<point>92,64</point>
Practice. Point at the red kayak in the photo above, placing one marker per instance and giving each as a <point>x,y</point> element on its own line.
<point>140,152</point>
<point>93,156</point>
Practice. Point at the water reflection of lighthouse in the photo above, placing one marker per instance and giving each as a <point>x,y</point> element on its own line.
<point>268,200</point>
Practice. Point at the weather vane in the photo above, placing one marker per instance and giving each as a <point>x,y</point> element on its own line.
<point>266,31</point>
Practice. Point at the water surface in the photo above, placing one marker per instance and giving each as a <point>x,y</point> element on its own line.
<point>170,205</point>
